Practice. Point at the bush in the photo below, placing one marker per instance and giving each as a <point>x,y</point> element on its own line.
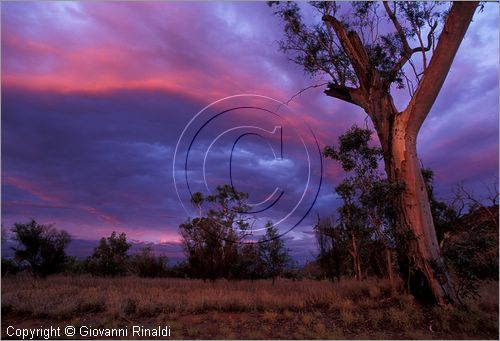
<point>9,267</point>
<point>110,257</point>
<point>472,250</point>
<point>145,264</point>
<point>40,247</point>
<point>74,266</point>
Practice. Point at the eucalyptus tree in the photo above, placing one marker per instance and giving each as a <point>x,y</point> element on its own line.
<point>41,247</point>
<point>367,50</point>
<point>366,214</point>
<point>211,240</point>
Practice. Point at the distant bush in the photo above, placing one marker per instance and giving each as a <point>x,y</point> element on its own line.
<point>74,266</point>
<point>110,256</point>
<point>146,264</point>
<point>179,270</point>
<point>211,241</point>
<point>9,267</point>
<point>41,248</point>
<point>472,251</point>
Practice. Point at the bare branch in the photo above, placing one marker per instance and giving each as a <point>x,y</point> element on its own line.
<point>407,50</point>
<point>305,89</point>
<point>462,195</point>
<point>454,29</point>
<point>399,28</point>
<point>430,40</point>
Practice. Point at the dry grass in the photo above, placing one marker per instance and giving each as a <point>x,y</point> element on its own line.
<point>244,309</point>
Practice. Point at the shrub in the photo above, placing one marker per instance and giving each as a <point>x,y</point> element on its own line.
<point>40,247</point>
<point>145,264</point>
<point>9,266</point>
<point>110,257</point>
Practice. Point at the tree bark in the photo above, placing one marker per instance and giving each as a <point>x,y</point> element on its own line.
<point>423,264</point>
<point>427,274</point>
<point>390,271</point>
<point>355,257</point>
<point>397,131</point>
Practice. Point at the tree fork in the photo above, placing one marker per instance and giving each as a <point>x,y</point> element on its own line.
<point>398,131</point>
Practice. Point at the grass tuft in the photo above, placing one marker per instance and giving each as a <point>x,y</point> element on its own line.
<point>246,309</point>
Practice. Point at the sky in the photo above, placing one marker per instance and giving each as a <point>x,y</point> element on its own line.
<point>98,99</point>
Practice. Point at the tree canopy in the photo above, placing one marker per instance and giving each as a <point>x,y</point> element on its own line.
<point>42,247</point>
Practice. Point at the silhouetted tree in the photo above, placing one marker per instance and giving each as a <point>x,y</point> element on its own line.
<point>332,246</point>
<point>364,64</point>
<point>110,256</point>
<point>41,247</point>
<point>145,264</point>
<point>366,218</point>
<point>469,235</point>
<point>9,266</point>
<point>180,269</point>
<point>75,266</point>
<point>249,265</point>
<point>272,252</point>
<point>211,240</point>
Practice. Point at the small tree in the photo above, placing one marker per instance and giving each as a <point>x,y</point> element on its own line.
<point>146,264</point>
<point>41,247</point>
<point>273,253</point>
<point>332,246</point>
<point>211,240</point>
<point>470,239</point>
<point>110,256</point>
<point>249,264</point>
<point>366,216</point>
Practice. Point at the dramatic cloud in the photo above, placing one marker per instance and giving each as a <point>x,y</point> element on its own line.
<point>95,97</point>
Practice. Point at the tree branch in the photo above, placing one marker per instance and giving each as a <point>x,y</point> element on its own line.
<point>345,93</point>
<point>429,40</point>
<point>407,50</point>
<point>354,49</point>
<point>305,89</point>
<point>399,28</point>
<point>454,29</point>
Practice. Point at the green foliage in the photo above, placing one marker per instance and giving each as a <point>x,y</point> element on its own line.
<point>306,45</point>
<point>311,43</point>
<point>445,217</point>
<point>354,152</point>
<point>180,270</point>
<point>40,247</point>
<point>472,252</point>
<point>365,225</point>
<point>146,264</point>
<point>467,258</point>
<point>211,241</point>
<point>110,256</point>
